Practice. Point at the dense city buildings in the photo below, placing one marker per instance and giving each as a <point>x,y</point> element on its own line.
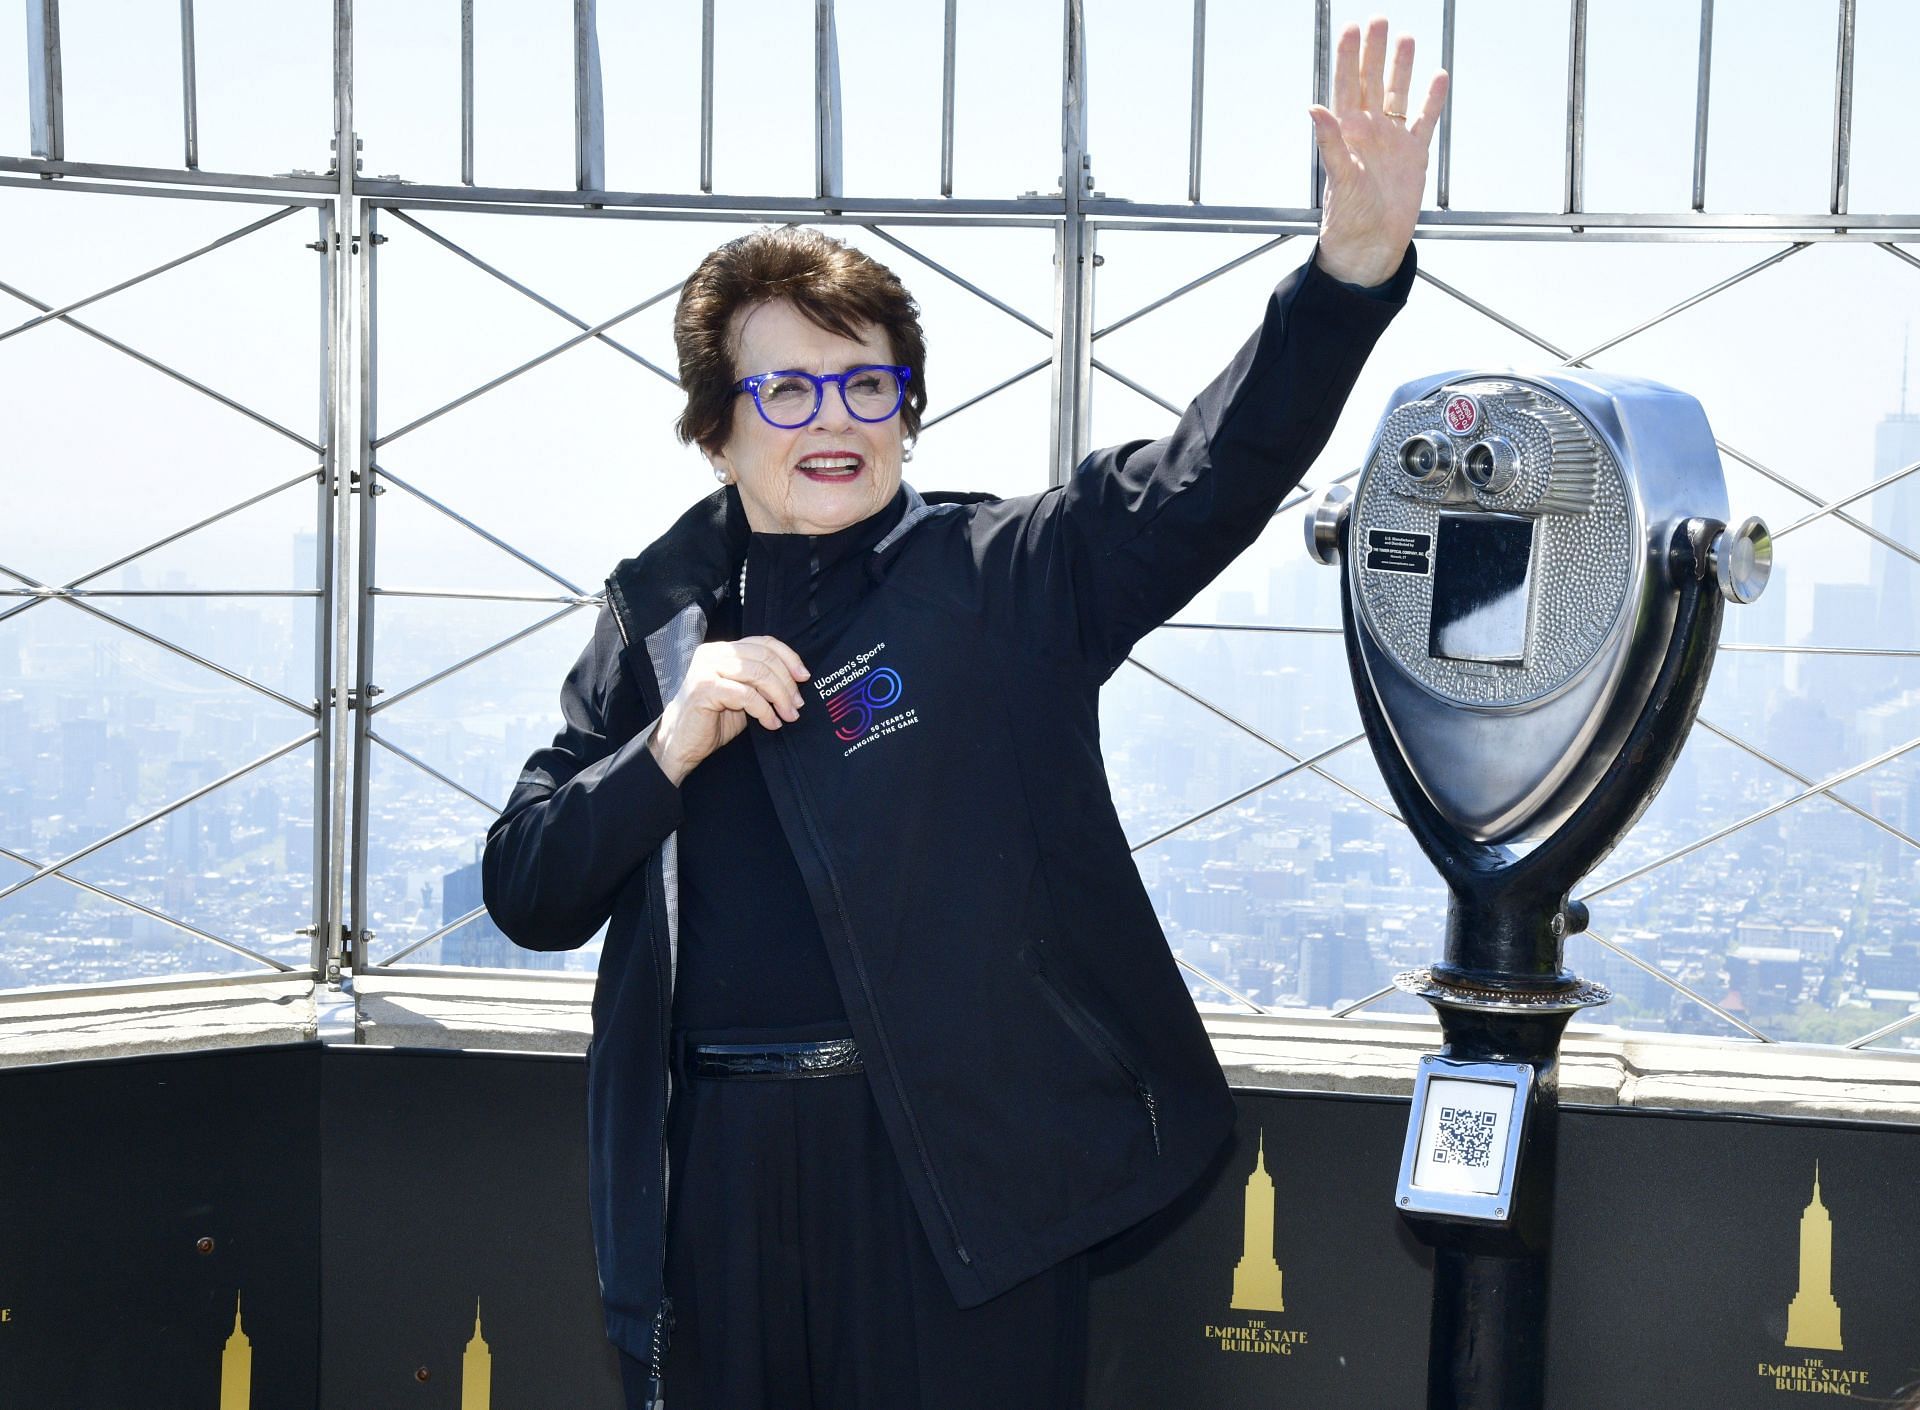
<point>1787,907</point>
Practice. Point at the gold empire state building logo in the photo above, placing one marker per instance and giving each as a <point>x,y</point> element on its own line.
<point>236,1366</point>
<point>1256,1277</point>
<point>476,1370</point>
<point>1813,1317</point>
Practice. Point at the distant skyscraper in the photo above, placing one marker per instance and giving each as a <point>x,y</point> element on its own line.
<point>1321,980</point>
<point>306,560</point>
<point>479,942</point>
<point>1896,513</point>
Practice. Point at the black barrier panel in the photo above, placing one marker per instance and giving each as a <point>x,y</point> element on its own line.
<point>112,1174</point>
<point>456,1183</point>
<point>1694,1268</point>
<point>1286,1279</point>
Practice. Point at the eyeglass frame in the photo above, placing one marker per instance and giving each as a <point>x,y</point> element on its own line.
<point>903,375</point>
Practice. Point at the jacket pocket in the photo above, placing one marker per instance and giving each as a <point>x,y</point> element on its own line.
<point>1099,1040</point>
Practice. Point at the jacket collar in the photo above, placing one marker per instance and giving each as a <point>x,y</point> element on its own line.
<point>695,560</point>
<point>684,567</point>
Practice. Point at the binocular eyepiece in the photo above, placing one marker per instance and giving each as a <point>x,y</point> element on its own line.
<point>1489,464</point>
<point>1426,460</point>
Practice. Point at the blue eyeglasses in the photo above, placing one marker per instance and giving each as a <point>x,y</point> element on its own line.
<point>792,399</point>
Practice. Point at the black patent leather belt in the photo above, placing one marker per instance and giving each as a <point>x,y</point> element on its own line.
<point>768,1060</point>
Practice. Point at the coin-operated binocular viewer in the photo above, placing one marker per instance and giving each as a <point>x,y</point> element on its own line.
<point>1534,569</point>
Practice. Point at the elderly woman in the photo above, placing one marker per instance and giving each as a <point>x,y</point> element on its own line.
<point>886,1034</point>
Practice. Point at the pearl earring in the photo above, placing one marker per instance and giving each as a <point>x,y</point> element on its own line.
<point>720,474</point>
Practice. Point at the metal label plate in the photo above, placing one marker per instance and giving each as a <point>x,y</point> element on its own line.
<point>1389,551</point>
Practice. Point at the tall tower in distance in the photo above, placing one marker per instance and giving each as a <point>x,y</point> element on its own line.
<point>236,1367</point>
<point>1256,1277</point>
<point>476,1370</point>
<point>1813,1317</point>
<point>1896,513</point>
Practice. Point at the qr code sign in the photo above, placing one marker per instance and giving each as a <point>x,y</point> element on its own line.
<point>1466,1137</point>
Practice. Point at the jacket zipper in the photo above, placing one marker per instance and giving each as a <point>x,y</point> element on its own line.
<point>663,1315</point>
<point>662,1332</point>
<point>866,989</point>
<point>1095,1035</point>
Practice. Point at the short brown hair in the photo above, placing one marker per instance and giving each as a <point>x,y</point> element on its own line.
<point>832,284</point>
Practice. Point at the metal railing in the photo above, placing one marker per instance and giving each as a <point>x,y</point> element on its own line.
<point>350,208</point>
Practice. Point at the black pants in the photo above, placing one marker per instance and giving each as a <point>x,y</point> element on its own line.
<point>801,1277</point>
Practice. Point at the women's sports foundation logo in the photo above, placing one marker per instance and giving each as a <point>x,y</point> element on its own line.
<point>852,710</point>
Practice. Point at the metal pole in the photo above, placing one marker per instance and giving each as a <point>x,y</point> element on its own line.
<point>339,951</point>
<point>706,97</point>
<point>1843,107</point>
<point>1199,87</point>
<point>946,98</point>
<point>325,610</point>
<point>466,92</point>
<point>828,175</point>
<point>589,105</point>
<point>1702,90</point>
<point>1073,261</point>
<point>1443,190</point>
<point>1577,110</point>
<point>189,85</point>
<point>43,80</point>
<point>364,689</point>
<point>1322,92</point>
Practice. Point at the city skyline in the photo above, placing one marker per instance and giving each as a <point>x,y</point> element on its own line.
<point>1300,897</point>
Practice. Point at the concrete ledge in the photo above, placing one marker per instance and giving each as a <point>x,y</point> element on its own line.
<point>493,1011</point>
<point>126,1021</point>
<point>1598,1067</point>
<point>506,1011</point>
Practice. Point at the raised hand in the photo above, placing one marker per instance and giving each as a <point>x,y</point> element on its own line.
<point>728,682</point>
<point>1376,159</point>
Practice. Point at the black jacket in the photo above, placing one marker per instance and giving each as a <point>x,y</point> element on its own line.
<point>1039,1066</point>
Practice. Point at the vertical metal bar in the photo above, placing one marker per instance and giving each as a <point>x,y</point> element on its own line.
<point>589,104</point>
<point>1703,88</point>
<point>1073,260</point>
<point>828,176</point>
<point>1322,92</point>
<point>1843,107</point>
<point>466,92</point>
<point>43,80</point>
<point>325,608</point>
<point>1577,110</point>
<point>706,97</point>
<point>189,86</point>
<point>946,99</point>
<point>340,951</point>
<point>1443,189</point>
<point>345,147</point>
<point>1199,99</point>
<point>363,668</point>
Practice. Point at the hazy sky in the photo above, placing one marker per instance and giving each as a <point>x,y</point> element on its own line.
<point>1794,367</point>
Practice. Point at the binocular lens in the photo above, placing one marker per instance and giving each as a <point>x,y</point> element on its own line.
<point>1489,465</point>
<point>1479,466</point>
<point>1425,458</point>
